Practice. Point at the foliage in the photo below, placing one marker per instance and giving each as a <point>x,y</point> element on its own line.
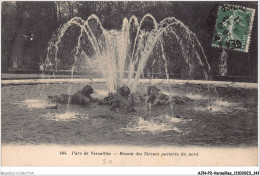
<point>21,20</point>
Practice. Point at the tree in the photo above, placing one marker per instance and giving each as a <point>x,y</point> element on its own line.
<point>9,30</point>
<point>27,28</point>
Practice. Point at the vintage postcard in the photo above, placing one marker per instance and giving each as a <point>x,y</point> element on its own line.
<point>129,83</point>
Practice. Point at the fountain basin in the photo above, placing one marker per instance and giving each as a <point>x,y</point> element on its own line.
<point>230,120</point>
<point>155,81</point>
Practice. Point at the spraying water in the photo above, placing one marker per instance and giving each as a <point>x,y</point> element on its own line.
<point>122,56</point>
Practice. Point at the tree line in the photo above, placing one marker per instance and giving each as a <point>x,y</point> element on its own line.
<point>27,27</point>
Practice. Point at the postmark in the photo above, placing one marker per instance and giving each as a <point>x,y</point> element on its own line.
<point>233,27</point>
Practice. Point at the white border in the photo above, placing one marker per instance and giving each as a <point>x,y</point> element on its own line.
<point>123,170</point>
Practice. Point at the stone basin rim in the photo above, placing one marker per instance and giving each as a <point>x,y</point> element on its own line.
<point>245,85</point>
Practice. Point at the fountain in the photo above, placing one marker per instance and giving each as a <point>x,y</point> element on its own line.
<point>122,56</point>
<point>179,114</point>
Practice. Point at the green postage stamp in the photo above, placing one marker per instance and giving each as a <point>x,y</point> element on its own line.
<point>233,27</point>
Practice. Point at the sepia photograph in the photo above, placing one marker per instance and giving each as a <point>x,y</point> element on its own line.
<point>129,83</point>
